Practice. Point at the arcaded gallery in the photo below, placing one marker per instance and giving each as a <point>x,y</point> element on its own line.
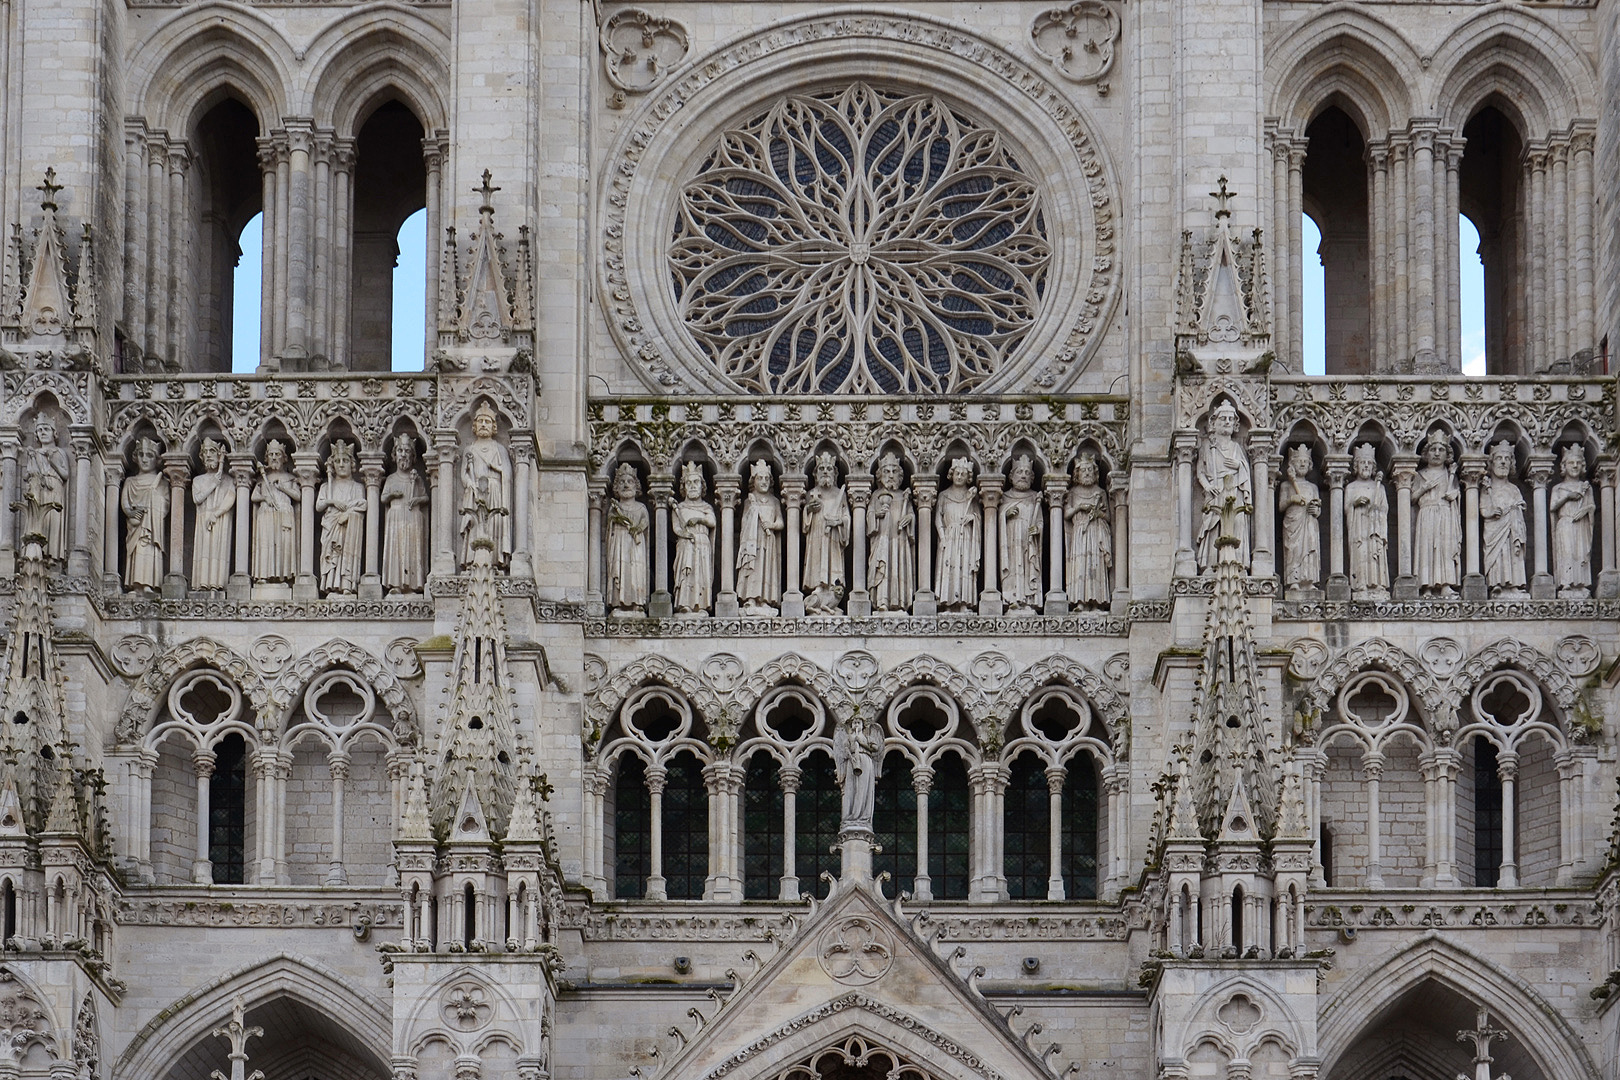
<point>664,540</point>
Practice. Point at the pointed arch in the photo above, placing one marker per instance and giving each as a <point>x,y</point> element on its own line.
<point>1510,652</point>
<point>174,1029</point>
<point>1277,1022</point>
<point>1554,1044</point>
<point>478,993</point>
<point>365,57</point>
<point>1519,56</point>
<point>289,687</point>
<point>1389,657</point>
<point>1346,54</point>
<point>793,668</point>
<point>930,669</point>
<point>1110,706</point>
<point>601,706</point>
<point>148,692</point>
<point>204,51</point>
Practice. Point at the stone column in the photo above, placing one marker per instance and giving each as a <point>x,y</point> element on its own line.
<point>268,360</point>
<point>202,767</point>
<point>1404,470</point>
<point>82,442</point>
<point>1582,141</point>
<point>1282,258</point>
<point>180,255</point>
<point>727,488</point>
<point>1055,777</point>
<point>343,252</point>
<point>320,303</point>
<point>1608,474</point>
<point>444,497</point>
<point>177,467</point>
<point>859,487</point>
<point>266,808</point>
<point>1184,447</point>
<point>594,551</point>
<point>1451,189</point>
<point>990,583</point>
<point>1507,768</point>
<point>988,782</point>
<point>157,243</point>
<point>1296,239</point>
<point>307,467</point>
<point>1372,768</point>
<point>1379,217</point>
<point>922,782</point>
<point>300,203</point>
<point>1569,814</point>
<point>9,447</point>
<point>660,490</point>
<point>1399,153</point>
<point>656,778</point>
<point>1535,222</point>
<point>522,565</point>
<point>788,778</point>
<point>1447,764</point>
<point>283,241</point>
<point>433,159</point>
<point>1262,560</point>
<point>338,765</point>
<point>1056,601</point>
<point>1472,472</point>
<point>1542,586</point>
<point>371,472</point>
<point>240,585</point>
<point>1338,471</point>
<point>925,489</point>
<point>792,500</point>
<point>1558,250</point>
<point>1424,359</point>
<point>112,474</point>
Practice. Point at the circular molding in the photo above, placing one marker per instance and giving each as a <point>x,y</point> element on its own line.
<point>671,135</point>
<point>856,951</point>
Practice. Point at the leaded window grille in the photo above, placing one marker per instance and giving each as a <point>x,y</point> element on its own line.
<point>227,812</point>
<point>1027,826</point>
<point>819,815</point>
<point>1487,814</point>
<point>632,830</point>
<point>1079,862</point>
<point>950,824</point>
<point>686,829</point>
<point>764,832</point>
<point>894,823</point>
<point>860,240</point>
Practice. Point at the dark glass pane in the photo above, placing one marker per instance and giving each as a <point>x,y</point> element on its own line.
<point>1080,829</point>
<point>820,811</point>
<point>763,840</point>
<point>950,824</point>
<point>894,820</point>
<point>1027,828</point>
<point>227,811</point>
<point>632,824</point>
<point>686,830</point>
<point>1487,814</point>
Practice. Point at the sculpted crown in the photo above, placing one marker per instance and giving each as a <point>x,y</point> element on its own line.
<point>342,454</point>
<point>1366,452</point>
<point>760,469</point>
<point>691,471</point>
<point>1573,454</point>
<point>626,474</point>
<point>1300,458</point>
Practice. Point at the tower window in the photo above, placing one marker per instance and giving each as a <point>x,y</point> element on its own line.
<point>227,811</point>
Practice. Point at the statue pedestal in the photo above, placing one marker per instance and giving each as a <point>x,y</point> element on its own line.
<point>1057,603</point>
<point>371,587</point>
<point>855,849</point>
<point>238,587</point>
<point>174,586</point>
<point>1542,587</point>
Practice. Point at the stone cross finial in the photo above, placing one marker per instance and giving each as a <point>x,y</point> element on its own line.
<point>486,192</point>
<point>50,187</point>
<point>1223,197</point>
<point>238,1033</point>
<point>1482,1036</point>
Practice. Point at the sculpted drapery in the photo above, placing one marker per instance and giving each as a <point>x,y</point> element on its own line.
<point>214,493</point>
<point>275,518</point>
<point>145,503</point>
<point>1020,535</point>
<point>1300,501</point>
<point>1573,510</point>
<point>759,546</point>
<point>959,525</point>
<point>693,522</point>
<point>628,520</point>
<point>341,502</point>
<point>1366,518</point>
<point>1224,474</point>
<point>44,489</point>
<point>1089,545</point>
<point>486,489</point>
<point>826,534</point>
<point>405,522</point>
<point>1502,526</point>
<point>1437,530</point>
<point>891,529</point>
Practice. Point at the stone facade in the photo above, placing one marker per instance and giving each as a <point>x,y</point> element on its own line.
<point>862,587</point>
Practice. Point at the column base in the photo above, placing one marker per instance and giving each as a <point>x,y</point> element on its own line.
<point>238,588</point>
<point>1608,586</point>
<point>1262,564</point>
<point>305,588</point>
<point>112,583</point>
<point>725,606</point>
<point>1186,565</point>
<point>270,590</point>
<point>793,604</point>
<point>1121,604</point>
<point>859,604</point>
<point>202,872</point>
<point>371,587</point>
<point>336,875</point>
<point>1542,587</point>
<point>521,566</point>
<point>1474,587</point>
<point>174,586</point>
<point>661,606</point>
<point>656,887</point>
<point>8,561</point>
<point>855,852</point>
<point>1406,589</point>
<point>1338,587</point>
<point>990,602</point>
<point>1057,603</point>
<point>790,889</point>
<point>925,603</point>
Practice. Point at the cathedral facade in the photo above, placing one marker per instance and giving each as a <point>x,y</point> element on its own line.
<point>861,584</point>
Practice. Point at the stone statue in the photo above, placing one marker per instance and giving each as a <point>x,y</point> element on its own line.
<point>627,545</point>
<point>1573,512</point>
<point>693,522</point>
<point>44,490</point>
<point>1437,529</point>
<point>960,545</point>
<point>891,546</point>
<point>405,522</point>
<point>1021,533</point>
<point>826,534</point>
<point>486,489</point>
<point>856,746</point>
<point>1089,545</point>
<point>1366,519</point>
<point>145,502</point>
<point>275,518</point>
<point>759,545</point>
<point>341,502</point>
<point>214,493</point>
<point>1223,474</point>
<point>1502,532</point>
<point>1300,502</point>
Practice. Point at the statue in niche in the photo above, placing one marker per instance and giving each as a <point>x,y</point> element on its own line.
<point>1300,501</point>
<point>826,534</point>
<point>275,517</point>
<point>341,502</point>
<point>1366,519</point>
<point>1021,532</point>
<point>627,545</point>
<point>1224,476</point>
<point>891,549</point>
<point>693,522</point>
<point>214,493</point>
<point>856,746</point>
<point>1089,545</point>
<point>44,490</point>
<point>486,489</point>
<point>1437,530</point>
<point>960,544</point>
<point>405,522</point>
<point>759,545</point>
<point>145,502</point>
<point>1573,512</point>
<point>1502,534</point>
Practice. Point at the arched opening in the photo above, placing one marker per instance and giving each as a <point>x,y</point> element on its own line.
<point>1490,196</point>
<point>247,314</point>
<point>1335,198</point>
<point>632,829</point>
<point>1471,296</point>
<point>1027,825</point>
<point>229,194</point>
<point>894,821</point>
<point>410,335</point>
<point>1080,832</point>
<point>301,1042</point>
<point>1313,298</point>
<point>469,915</point>
<point>227,811</point>
<point>1416,1035</point>
<point>685,829</point>
<point>820,813</point>
<point>764,828</point>
<point>390,185</point>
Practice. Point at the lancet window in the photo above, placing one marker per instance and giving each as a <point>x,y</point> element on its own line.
<point>1053,757</point>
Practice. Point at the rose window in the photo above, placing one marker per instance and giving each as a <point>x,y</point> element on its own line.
<point>860,241</point>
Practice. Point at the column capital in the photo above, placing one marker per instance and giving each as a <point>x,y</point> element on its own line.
<point>1472,469</point>
<point>202,763</point>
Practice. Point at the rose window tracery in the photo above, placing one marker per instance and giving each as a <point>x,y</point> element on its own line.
<point>860,241</point>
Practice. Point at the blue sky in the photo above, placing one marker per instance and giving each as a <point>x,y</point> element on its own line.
<point>411,275</point>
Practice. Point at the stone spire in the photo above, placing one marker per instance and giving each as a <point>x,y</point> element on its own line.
<point>50,320</point>
<point>478,742</point>
<point>1229,736</point>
